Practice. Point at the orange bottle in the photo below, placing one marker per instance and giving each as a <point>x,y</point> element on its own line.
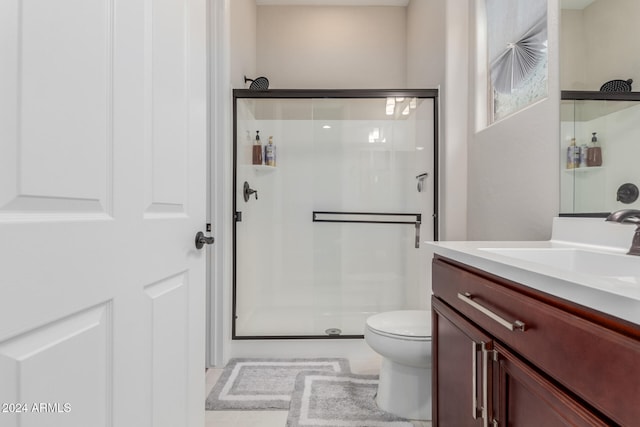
<point>594,155</point>
<point>257,150</point>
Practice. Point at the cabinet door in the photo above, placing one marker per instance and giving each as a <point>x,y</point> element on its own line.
<point>593,355</point>
<point>525,398</point>
<point>461,370</point>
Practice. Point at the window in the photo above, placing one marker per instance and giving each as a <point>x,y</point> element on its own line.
<point>517,54</point>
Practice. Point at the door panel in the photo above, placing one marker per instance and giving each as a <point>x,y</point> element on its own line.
<point>525,398</point>
<point>169,322</point>
<point>102,190</point>
<point>167,118</point>
<point>459,383</point>
<point>56,106</point>
<point>80,345</point>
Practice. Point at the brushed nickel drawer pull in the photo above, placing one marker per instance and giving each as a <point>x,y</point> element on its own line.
<point>517,325</point>
<point>475,410</point>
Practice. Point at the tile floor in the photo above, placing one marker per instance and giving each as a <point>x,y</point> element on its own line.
<point>272,418</point>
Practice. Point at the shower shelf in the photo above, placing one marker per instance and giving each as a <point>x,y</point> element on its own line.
<point>264,168</point>
<point>583,169</point>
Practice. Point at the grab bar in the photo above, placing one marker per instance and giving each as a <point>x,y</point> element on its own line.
<point>371,218</point>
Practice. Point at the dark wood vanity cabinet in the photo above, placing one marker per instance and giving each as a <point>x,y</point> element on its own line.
<point>457,350</point>
<point>507,355</point>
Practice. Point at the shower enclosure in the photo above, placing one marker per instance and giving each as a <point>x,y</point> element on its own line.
<point>329,232</point>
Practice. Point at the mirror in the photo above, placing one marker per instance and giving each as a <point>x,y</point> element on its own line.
<point>597,45</point>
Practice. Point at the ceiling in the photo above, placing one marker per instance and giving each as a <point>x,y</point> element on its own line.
<point>332,2</point>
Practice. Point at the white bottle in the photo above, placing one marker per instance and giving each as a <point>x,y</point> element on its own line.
<point>571,154</point>
<point>584,149</point>
<point>270,153</point>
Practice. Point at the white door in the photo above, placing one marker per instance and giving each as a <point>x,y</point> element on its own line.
<point>102,190</point>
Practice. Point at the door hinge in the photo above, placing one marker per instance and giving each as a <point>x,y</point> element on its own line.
<point>238,216</point>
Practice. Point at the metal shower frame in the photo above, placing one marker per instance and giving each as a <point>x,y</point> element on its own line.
<point>324,94</point>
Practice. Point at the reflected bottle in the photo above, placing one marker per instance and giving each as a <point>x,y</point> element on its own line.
<point>257,150</point>
<point>572,150</point>
<point>594,155</point>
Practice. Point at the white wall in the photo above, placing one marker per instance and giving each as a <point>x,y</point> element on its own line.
<point>425,43</point>
<point>573,70</point>
<point>598,44</point>
<point>455,118</point>
<point>309,47</point>
<point>243,41</point>
<point>352,47</point>
<point>513,169</point>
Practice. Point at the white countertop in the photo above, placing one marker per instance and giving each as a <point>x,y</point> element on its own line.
<point>619,297</point>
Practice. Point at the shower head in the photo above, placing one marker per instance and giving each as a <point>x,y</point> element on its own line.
<point>261,83</point>
<point>617,86</point>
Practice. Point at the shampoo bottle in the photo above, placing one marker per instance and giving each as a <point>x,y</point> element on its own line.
<point>270,153</point>
<point>257,150</point>
<point>594,156</point>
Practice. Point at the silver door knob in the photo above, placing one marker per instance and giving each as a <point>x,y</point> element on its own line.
<point>202,240</point>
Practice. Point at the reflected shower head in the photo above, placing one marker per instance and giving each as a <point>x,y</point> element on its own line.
<point>261,83</point>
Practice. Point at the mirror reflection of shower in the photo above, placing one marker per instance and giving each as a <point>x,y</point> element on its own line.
<point>334,235</point>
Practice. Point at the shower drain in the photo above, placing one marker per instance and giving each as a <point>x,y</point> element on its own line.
<point>333,331</point>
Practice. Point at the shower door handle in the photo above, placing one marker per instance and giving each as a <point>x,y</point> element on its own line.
<point>418,223</point>
<point>368,218</point>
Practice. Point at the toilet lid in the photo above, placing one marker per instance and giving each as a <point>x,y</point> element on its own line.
<point>409,323</point>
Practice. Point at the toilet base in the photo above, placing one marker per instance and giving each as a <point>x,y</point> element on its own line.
<point>404,390</point>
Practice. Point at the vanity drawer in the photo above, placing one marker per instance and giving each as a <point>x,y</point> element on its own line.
<point>587,358</point>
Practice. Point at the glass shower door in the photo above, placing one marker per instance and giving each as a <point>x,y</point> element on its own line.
<point>329,233</point>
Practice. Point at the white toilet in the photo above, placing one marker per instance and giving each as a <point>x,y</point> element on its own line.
<point>403,339</point>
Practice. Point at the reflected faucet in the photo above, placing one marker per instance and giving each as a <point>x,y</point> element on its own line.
<point>631,216</point>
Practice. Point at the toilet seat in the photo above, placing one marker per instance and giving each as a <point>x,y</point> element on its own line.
<point>411,325</point>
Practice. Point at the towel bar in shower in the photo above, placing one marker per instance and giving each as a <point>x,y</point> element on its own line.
<point>414,219</point>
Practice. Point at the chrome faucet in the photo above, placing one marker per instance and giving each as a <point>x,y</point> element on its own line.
<point>630,216</point>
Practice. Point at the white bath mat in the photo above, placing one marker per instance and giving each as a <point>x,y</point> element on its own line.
<point>260,384</point>
<point>338,400</point>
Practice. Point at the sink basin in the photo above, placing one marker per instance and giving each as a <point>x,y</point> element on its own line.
<point>617,266</point>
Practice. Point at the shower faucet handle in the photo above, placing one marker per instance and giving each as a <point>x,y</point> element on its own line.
<point>421,179</point>
<point>248,191</point>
